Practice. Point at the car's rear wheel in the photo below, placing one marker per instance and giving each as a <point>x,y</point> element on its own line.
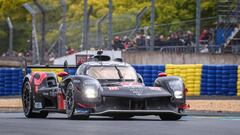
<point>27,101</point>
<point>170,117</point>
<point>70,103</point>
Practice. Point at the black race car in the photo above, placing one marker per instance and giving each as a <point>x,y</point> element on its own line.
<point>103,87</point>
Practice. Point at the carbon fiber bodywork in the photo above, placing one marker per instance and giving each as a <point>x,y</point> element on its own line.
<point>113,98</point>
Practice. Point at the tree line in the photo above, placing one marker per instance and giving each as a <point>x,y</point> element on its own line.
<point>124,12</point>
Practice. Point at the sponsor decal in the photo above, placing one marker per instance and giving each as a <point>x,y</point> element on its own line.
<point>113,88</point>
<point>155,88</point>
<point>81,111</point>
<point>76,81</point>
<point>38,105</point>
<point>131,84</point>
<point>137,91</point>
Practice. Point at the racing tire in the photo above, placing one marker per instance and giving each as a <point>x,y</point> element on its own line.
<point>27,101</point>
<point>170,117</point>
<point>70,104</point>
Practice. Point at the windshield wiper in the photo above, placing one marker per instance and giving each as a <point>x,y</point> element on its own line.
<point>119,74</point>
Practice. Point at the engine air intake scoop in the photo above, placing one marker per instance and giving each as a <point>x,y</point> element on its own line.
<point>102,58</point>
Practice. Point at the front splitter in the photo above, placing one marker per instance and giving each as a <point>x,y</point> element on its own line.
<point>136,112</point>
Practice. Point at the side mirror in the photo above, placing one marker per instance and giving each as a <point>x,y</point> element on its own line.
<point>140,78</point>
<point>62,74</point>
<point>162,74</point>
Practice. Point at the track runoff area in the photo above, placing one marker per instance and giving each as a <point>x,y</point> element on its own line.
<point>58,124</point>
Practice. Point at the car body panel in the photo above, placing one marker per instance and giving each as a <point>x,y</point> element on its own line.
<point>113,97</point>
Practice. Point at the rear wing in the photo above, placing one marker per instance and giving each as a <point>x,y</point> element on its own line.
<point>48,68</point>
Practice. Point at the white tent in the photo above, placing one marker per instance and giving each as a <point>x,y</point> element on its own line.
<point>71,59</point>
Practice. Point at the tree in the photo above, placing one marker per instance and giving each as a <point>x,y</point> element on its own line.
<point>14,10</point>
<point>124,12</point>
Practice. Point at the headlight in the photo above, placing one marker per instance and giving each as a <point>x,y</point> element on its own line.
<point>91,93</point>
<point>178,94</point>
<point>91,88</point>
<point>177,87</point>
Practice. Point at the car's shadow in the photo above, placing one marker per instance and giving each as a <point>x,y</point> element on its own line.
<point>56,116</point>
<point>97,119</point>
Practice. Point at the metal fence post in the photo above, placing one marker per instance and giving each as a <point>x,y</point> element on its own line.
<point>10,26</point>
<point>99,39</point>
<point>138,21</point>
<point>110,25</point>
<point>62,50</point>
<point>90,10</point>
<point>85,25</point>
<point>152,31</point>
<point>43,31</point>
<point>198,25</point>
<point>35,50</point>
<point>146,34</point>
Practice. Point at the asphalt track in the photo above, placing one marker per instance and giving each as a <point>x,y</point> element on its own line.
<point>57,124</point>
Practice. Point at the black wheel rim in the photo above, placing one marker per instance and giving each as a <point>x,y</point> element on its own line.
<point>26,98</point>
<point>69,100</point>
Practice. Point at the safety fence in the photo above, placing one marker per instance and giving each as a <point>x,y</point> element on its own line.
<point>199,79</point>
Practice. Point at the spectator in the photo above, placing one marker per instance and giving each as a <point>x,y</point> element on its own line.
<point>140,42</point>
<point>209,37</point>
<point>126,42</point>
<point>189,38</point>
<point>173,40</point>
<point>117,43</point>
<point>160,42</point>
<point>204,37</point>
<point>70,51</point>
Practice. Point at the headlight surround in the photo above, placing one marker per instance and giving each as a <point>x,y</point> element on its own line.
<point>177,87</point>
<point>90,92</point>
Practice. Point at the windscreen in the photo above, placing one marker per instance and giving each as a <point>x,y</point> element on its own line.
<point>111,73</point>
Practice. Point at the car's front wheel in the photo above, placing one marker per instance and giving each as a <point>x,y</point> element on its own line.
<point>170,117</point>
<point>70,103</point>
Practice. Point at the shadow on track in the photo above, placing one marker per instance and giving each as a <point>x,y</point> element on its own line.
<point>95,119</point>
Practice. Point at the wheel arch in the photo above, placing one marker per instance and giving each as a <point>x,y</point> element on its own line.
<point>163,82</point>
<point>65,82</point>
<point>25,79</point>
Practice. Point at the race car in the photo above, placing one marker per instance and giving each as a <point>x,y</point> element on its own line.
<point>103,87</point>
